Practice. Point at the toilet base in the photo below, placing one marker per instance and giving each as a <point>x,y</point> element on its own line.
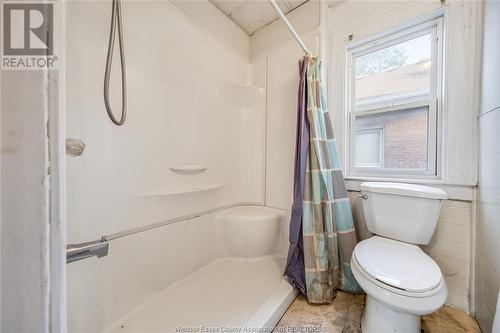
<point>377,317</point>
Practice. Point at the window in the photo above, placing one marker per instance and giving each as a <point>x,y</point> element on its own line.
<point>394,91</point>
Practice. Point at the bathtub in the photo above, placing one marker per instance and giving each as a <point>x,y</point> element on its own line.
<point>219,272</point>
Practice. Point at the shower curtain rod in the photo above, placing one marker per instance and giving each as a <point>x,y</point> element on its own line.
<point>289,26</point>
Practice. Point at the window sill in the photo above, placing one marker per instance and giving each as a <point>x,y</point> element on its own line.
<point>463,192</point>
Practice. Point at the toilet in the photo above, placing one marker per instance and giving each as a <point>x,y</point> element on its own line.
<point>400,280</point>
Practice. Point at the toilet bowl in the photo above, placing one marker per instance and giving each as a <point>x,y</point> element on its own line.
<point>400,280</point>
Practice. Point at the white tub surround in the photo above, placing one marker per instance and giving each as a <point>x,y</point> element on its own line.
<point>217,270</point>
<point>225,294</point>
<point>193,142</point>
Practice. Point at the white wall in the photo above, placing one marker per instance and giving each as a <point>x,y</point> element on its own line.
<point>274,45</point>
<point>450,247</point>
<point>32,242</point>
<point>207,15</point>
<point>24,203</point>
<point>488,203</point>
<point>282,83</point>
<point>190,101</point>
<point>303,19</point>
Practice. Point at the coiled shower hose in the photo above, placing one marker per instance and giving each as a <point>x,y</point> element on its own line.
<point>116,22</point>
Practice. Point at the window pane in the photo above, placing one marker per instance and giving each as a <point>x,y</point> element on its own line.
<point>398,71</point>
<point>404,141</point>
<point>369,148</point>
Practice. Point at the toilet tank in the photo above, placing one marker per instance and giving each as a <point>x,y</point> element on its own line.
<point>403,212</point>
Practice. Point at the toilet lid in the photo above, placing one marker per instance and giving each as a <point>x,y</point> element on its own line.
<point>400,265</point>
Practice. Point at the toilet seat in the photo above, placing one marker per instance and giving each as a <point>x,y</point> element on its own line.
<point>412,302</point>
<point>401,266</point>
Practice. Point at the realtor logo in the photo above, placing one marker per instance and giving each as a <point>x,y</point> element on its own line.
<point>28,35</point>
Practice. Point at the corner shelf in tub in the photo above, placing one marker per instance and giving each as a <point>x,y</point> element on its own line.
<point>181,190</point>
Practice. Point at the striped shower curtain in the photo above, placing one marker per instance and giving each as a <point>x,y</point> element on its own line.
<point>322,234</point>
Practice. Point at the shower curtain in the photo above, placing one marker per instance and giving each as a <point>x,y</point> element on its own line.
<point>322,234</point>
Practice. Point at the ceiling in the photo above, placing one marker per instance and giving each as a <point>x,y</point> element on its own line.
<point>251,15</point>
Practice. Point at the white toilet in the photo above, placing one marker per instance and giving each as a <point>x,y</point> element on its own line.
<point>401,281</point>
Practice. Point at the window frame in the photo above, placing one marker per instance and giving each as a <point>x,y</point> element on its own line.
<point>433,100</point>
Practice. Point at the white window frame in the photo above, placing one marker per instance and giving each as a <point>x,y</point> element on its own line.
<point>433,100</point>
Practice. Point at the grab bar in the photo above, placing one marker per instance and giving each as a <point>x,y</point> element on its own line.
<point>152,226</point>
<point>99,248</point>
<point>75,252</point>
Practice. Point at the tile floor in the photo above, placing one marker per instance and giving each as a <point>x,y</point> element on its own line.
<point>344,315</point>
